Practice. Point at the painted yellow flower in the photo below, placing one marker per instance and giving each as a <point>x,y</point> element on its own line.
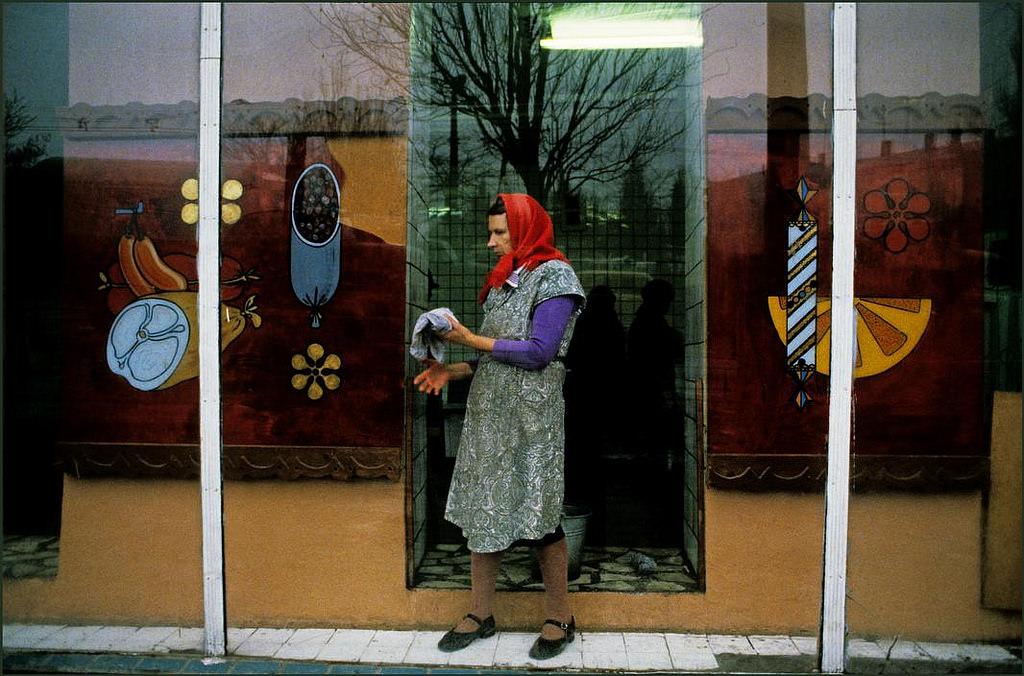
<point>315,371</point>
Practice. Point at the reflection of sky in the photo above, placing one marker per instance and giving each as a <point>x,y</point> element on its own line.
<point>115,53</point>
<point>904,49</point>
<point>133,52</point>
<point>35,57</point>
<point>149,53</point>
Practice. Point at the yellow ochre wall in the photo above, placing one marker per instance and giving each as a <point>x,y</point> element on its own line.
<point>332,554</point>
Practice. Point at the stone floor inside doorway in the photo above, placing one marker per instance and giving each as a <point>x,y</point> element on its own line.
<point>30,556</point>
<point>621,569</point>
<point>446,566</point>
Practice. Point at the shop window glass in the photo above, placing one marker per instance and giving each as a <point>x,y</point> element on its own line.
<point>313,172</point>
<point>100,352</point>
<point>935,514</point>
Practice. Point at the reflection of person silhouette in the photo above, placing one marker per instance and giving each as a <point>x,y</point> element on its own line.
<point>592,411</point>
<point>508,482</point>
<point>653,347</point>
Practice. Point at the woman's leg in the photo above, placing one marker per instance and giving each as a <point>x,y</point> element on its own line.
<point>554,570</point>
<point>484,570</point>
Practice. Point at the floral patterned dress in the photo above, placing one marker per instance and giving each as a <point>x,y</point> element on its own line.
<point>509,480</point>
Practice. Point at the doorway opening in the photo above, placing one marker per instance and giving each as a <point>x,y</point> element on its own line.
<point>609,141</point>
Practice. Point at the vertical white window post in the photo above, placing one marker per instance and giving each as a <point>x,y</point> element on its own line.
<point>837,491</point>
<point>208,264</point>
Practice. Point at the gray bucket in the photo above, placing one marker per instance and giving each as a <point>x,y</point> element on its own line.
<point>574,523</point>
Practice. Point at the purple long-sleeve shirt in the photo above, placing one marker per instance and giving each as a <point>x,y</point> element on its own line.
<point>550,318</point>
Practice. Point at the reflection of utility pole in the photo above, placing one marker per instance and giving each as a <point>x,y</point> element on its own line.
<point>453,138</point>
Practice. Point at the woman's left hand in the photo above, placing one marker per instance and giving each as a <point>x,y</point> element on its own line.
<point>459,333</point>
<point>463,336</point>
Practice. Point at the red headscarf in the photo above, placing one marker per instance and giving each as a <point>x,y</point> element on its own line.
<point>533,240</point>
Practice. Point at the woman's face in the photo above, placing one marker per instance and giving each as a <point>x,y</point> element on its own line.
<point>500,241</point>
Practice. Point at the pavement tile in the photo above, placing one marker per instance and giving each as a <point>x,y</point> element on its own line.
<point>28,661</point>
<point>863,648</point>
<point>807,645</point>
<point>950,652</point>
<point>387,647</point>
<point>27,635</point>
<point>695,660</point>
<point>774,645</point>
<point>304,644</point>
<point>161,665</point>
<point>255,667</point>
<point>649,660</point>
<point>423,649</point>
<point>264,642</point>
<point>72,662</point>
<point>687,641</point>
<point>306,668</point>
<point>691,652</point>
<point>346,645</point>
<point>737,645</point>
<point>145,639</point>
<point>645,643</point>
<point>907,650</point>
<point>107,638</point>
<point>183,639</point>
<point>601,642</point>
<point>238,636</point>
<point>596,659</point>
<point>426,657</point>
<point>114,664</point>
<point>65,639</point>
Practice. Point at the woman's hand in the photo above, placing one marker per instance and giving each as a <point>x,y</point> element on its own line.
<point>463,336</point>
<point>459,333</point>
<point>434,378</point>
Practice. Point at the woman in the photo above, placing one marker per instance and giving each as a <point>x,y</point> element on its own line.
<point>508,483</point>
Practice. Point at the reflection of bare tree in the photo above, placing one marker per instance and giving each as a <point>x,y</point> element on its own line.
<point>17,120</point>
<point>376,35</point>
<point>558,119</point>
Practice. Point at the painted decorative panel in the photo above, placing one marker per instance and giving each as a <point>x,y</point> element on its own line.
<point>312,282</point>
<point>918,295</point>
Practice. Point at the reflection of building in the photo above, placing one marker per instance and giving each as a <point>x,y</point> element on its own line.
<point>327,488</point>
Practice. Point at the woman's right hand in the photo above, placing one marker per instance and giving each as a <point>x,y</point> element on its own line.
<point>433,379</point>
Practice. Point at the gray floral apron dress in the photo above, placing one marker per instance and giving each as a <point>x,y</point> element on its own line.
<point>509,480</point>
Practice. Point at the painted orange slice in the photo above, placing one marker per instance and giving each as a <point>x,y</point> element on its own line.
<point>888,329</point>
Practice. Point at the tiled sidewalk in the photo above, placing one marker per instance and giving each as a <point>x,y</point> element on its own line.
<point>74,649</point>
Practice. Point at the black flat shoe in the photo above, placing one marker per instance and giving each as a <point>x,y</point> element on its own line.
<point>546,648</point>
<point>457,640</point>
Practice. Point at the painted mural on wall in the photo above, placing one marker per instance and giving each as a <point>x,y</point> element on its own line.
<point>315,242</point>
<point>311,360</point>
<point>917,302</point>
<point>153,341</point>
<point>887,329</point>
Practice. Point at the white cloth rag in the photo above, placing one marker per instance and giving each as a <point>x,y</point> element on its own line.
<point>425,342</point>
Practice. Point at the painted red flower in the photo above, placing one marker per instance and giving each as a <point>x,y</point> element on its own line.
<point>897,215</point>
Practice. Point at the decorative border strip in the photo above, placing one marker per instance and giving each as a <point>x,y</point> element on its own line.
<point>875,113</point>
<point>181,461</point>
<point>291,117</point>
<point>753,113</point>
<point>868,473</point>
